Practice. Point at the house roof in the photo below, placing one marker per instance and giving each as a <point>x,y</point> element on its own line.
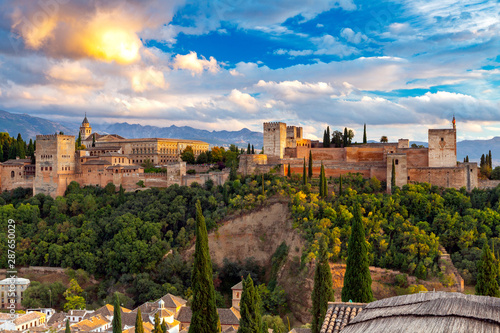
<point>300,330</point>
<point>109,153</point>
<point>16,281</point>
<point>57,317</point>
<point>28,317</point>
<point>91,324</point>
<point>338,315</point>
<point>229,330</point>
<point>429,313</point>
<point>106,310</point>
<point>227,316</point>
<point>97,162</point>
<point>78,313</point>
<point>20,161</point>
<point>5,316</point>
<point>172,301</point>
<point>148,327</point>
<point>238,286</point>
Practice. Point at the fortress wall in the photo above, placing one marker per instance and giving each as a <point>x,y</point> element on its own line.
<point>442,147</point>
<point>416,157</point>
<point>445,177</point>
<point>365,154</point>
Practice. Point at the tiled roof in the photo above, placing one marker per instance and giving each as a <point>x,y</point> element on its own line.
<point>148,327</point>
<point>128,318</point>
<point>172,301</point>
<point>97,162</point>
<point>57,317</point>
<point>229,330</point>
<point>238,286</point>
<point>300,330</point>
<point>339,314</point>
<point>28,317</point>
<point>16,281</point>
<point>114,154</point>
<point>227,316</point>
<point>20,161</point>
<point>91,324</point>
<point>78,313</point>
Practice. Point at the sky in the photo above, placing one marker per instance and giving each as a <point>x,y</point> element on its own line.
<point>401,67</point>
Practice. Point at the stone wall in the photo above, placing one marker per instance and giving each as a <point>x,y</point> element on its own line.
<point>274,140</point>
<point>456,177</point>
<point>12,176</point>
<point>400,167</point>
<point>442,147</point>
<point>218,177</point>
<point>486,183</point>
<point>249,162</point>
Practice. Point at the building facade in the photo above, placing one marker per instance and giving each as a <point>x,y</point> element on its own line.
<point>16,286</point>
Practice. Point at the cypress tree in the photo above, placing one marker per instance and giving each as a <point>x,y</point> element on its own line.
<point>1,153</point>
<point>323,288</point>
<point>340,185</point>
<point>93,140</point>
<point>321,181</point>
<point>325,143</point>
<point>481,163</point>
<point>325,182</point>
<point>489,159</point>
<point>21,146</point>
<point>304,174</point>
<point>263,189</point>
<point>310,171</point>
<point>139,328</point>
<point>345,138</point>
<point>467,158</point>
<point>68,330</point>
<point>117,316</point>
<point>157,328</point>
<point>205,318</point>
<point>163,326</point>
<point>251,320</point>
<point>253,150</point>
<point>393,176</point>
<point>289,172</point>
<point>248,148</point>
<point>487,269</point>
<point>79,140</point>
<point>328,136</point>
<point>364,134</point>
<point>357,279</point>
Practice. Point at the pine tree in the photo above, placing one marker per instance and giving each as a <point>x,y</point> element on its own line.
<point>304,174</point>
<point>364,134</point>
<point>251,320</point>
<point>21,146</point>
<point>248,148</point>
<point>340,185</point>
<point>310,170</point>
<point>253,150</point>
<point>357,278</point>
<point>68,330</point>
<point>263,189</point>
<point>205,318</point>
<point>289,171</point>
<point>31,148</point>
<point>393,177</point>
<point>323,288</point>
<point>487,269</point>
<point>138,322</point>
<point>117,316</point>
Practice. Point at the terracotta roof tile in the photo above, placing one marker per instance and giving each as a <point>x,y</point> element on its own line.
<point>339,314</point>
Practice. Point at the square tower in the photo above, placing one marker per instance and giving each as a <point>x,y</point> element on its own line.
<point>55,158</point>
<point>442,148</point>
<point>274,140</point>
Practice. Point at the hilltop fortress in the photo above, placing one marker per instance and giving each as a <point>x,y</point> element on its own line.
<point>436,164</point>
<point>105,159</point>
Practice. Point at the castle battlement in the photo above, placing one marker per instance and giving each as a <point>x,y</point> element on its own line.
<point>52,136</point>
<point>276,124</point>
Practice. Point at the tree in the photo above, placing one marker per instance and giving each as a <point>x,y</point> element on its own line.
<point>393,176</point>
<point>202,158</point>
<point>357,278</point>
<point>263,188</point>
<point>73,298</point>
<point>248,148</point>
<point>323,183</point>
<point>78,142</point>
<point>157,325</point>
<point>489,160</point>
<point>139,328</point>
<point>487,268</point>
<point>253,150</point>
<point>323,288</point>
<point>344,137</point>
<point>384,139</point>
<point>304,174</point>
<point>340,185</point>
<point>205,318</point>
<point>68,330</point>
<point>117,316</point>
<point>289,172</point>
<point>188,155</point>
<point>326,140</point>
<point>21,146</point>
<point>328,136</point>
<point>251,320</point>
<point>337,139</point>
<point>310,170</point>
<point>364,133</point>
<point>93,140</point>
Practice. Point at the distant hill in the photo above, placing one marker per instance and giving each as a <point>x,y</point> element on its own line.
<point>240,138</point>
<point>29,126</point>
<point>475,148</point>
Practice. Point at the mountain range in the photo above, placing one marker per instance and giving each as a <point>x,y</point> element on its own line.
<point>30,126</point>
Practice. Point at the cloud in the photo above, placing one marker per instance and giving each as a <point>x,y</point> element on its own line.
<point>196,66</point>
<point>243,101</point>
<point>329,45</point>
<point>295,90</point>
<point>352,37</point>
<point>144,79</point>
<point>107,31</point>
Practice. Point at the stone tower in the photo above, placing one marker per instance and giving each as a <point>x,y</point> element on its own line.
<point>85,129</point>
<point>55,163</point>
<point>274,140</point>
<point>443,147</point>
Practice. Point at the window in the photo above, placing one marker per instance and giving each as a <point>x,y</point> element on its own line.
<point>396,162</point>
<point>12,174</point>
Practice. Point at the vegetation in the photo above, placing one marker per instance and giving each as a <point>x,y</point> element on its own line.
<point>487,283</point>
<point>323,291</point>
<point>205,318</point>
<point>364,134</point>
<point>357,280</point>
<point>251,321</point>
<point>10,148</point>
<point>117,316</point>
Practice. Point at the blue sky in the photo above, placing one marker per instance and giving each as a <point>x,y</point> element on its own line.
<point>401,67</point>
